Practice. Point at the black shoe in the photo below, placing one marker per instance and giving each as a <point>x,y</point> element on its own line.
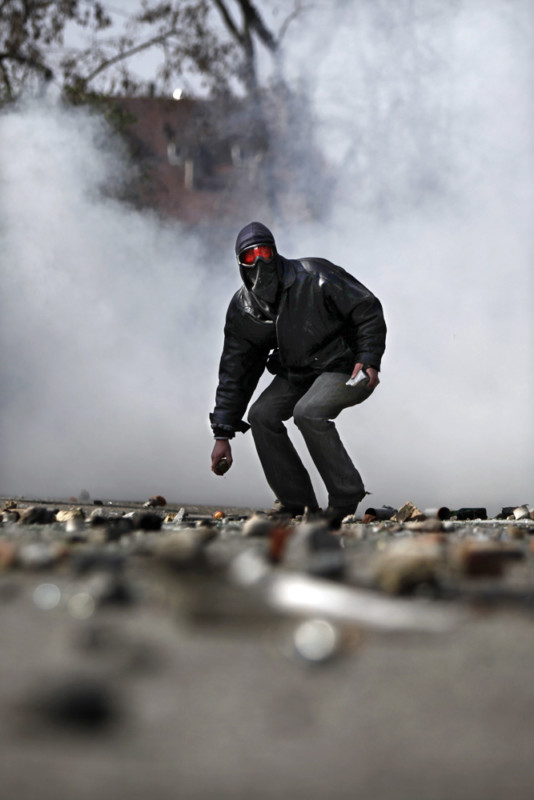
<point>280,510</point>
<point>336,514</point>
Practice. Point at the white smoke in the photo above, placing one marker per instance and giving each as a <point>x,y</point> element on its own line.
<point>108,367</point>
<point>112,320</point>
<point>426,111</point>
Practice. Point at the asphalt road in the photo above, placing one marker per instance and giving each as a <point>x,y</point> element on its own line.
<point>215,705</point>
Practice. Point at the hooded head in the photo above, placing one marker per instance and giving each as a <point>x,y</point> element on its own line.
<point>262,277</point>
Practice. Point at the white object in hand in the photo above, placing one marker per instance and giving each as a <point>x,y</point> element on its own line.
<point>360,376</point>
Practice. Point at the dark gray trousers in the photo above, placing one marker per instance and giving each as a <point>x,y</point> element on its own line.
<point>313,408</point>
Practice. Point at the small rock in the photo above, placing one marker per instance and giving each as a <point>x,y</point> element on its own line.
<point>315,549</point>
<point>76,703</point>
<point>146,520</point>
<point>117,527</point>
<point>478,558</point>
<point>184,549</point>
<point>407,563</point>
<point>408,512</point>
<point>258,525</point>
<point>37,515</point>
<point>521,512</point>
<point>70,513</point>
<point>99,516</point>
<point>506,512</point>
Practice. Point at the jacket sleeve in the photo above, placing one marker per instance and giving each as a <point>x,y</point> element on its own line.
<point>242,363</point>
<point>365,326</point>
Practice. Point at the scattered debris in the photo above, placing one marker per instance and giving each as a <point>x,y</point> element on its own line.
<point>408,512</point>
<point>314,549</point>
<point>77,703</point>
<point>37,515</point>
<point>260,525</point>
<point>438,513</point>
<point>69,514</point>
<point>521,512</point>
<point>484,558</point>
<point>385,512</point>
<point>316,640</point>
<point>294,593</point>
<point>470,513</point>
<point>146,520</point>
<point>184,549</point>
<point>41,555</point>
<point>155,500</point>
<point>429,525</point>
<point>407,564</point>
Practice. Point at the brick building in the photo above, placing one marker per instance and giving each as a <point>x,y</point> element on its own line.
<point>202,160</point>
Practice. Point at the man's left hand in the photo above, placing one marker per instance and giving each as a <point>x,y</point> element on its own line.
<point>374,380</point>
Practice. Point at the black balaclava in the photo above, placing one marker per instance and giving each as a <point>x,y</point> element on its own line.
<point>262,279</point>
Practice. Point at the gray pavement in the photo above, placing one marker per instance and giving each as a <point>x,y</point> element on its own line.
<point>210,705</point>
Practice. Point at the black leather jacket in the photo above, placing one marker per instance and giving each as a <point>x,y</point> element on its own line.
<point>326,321</point>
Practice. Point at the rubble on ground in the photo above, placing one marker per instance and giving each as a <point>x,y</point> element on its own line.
<point>314,596</point>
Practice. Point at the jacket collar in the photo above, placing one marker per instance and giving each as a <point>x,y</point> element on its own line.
<point>288,270</point>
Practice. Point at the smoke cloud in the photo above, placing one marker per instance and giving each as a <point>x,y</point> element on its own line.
<point>112,319</point>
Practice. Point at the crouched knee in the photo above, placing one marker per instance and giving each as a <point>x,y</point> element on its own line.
<point>302,416</point>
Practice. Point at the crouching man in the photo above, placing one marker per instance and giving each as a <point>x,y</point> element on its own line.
<point>318,330</point>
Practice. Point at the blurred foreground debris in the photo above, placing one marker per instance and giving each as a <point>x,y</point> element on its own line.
<point>230,567</point>
<point>156,636</point>
<point>76,703</point>
<point>297,594</point>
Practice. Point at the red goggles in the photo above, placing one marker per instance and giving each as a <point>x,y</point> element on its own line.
<point>250,256</point>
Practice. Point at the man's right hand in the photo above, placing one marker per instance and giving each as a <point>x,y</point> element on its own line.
<point>221,449</point>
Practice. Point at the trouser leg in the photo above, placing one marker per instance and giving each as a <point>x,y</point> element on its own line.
<point>285,473</point>
<point>313,415</point>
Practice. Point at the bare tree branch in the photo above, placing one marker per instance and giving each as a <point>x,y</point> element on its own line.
<point>299,8</point>
<point>255,22</point>
<point>230,24</point>
<point>122,56</point>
